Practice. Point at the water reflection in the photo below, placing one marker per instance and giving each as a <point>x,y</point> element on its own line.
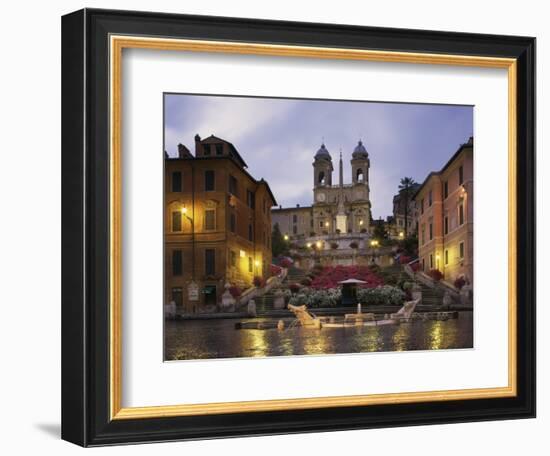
<point>203,339</point>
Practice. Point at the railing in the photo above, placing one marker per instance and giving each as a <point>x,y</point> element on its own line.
<point>255,292</point>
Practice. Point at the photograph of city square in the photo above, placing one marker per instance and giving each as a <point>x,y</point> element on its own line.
<point>316,227</point>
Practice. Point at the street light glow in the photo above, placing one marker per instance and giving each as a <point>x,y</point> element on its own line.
<point>308,245</point>
<point>286,237</point>
<point>242,253</point>
<point>183,210</point>
<point>319,244</point>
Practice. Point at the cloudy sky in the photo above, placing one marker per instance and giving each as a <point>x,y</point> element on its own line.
<point>278,138</point>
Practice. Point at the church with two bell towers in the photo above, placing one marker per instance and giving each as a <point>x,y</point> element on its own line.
<point>337,208</point>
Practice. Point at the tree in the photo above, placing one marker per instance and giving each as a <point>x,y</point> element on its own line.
<point>278,245</point>
<point>379,231</point>
<point>406,187</point>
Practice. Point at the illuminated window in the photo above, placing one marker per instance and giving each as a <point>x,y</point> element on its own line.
<point>176,221</point>
<point>210,219</point>
<point>250,264</point>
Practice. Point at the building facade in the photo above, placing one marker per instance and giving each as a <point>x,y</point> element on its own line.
<point>341,208</point>
<point>445,204</point>
<point>217,224</point>
<point>404,220</point>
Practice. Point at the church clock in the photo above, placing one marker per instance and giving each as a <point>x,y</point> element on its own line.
<point>321,197</point>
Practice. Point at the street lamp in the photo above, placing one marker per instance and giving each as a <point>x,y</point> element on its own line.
<point>286,237</point>
<point>401,235</point>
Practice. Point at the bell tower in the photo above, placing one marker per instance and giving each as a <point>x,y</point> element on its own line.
<point>322,168</point>
<point>360,165</point>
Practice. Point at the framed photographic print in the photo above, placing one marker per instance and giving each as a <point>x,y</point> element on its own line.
<point>278,227</point>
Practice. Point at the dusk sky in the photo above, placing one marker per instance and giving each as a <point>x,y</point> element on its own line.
<point>278,139</point>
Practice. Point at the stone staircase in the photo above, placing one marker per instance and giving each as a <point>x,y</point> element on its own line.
<point>264,304</point>
<point>295,275</point>
<point>430,296</point>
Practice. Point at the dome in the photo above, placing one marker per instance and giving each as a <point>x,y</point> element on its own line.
<point>323,153</point>
<point>360,151</point>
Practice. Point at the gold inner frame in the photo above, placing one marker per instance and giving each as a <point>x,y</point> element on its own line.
<point>117,44</point>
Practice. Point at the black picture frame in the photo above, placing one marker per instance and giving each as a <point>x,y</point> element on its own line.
<point>85,227</point>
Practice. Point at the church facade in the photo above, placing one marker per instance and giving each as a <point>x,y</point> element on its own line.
<point>336,208</point>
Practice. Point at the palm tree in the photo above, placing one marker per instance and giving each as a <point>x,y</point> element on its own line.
<point>406,187</point>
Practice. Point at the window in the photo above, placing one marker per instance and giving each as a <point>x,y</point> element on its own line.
<point>177,262</point>
<point>250,199</point>
<point>430,198</point>
<point>233,258</point>
<point>423,236</point>
<point>294,229</point>
<point>422,206</point>
<point>460,175</point>
<point>206,149</point>
<point>311,222</point>
<point>232,223</point>
<point>423,264</point>
<point>321,178</point>
<point>209,179</point>
<point>294,218</point>
<point>176,181</point>
<point>446,257</point>
<point>446,225</point>
<point>320,224</point>
<point>431,261</point>
<point>461,214</point>
<point>461,250</point>
<point>209,262</point>
<point>446,189</point>
<point>210,219</point>
<point>176,221</point>
<point>250,233</point>
<point>431,231</point>
<point>233,185</point>
<point>219,149</point>
<point>359,175</point>
<point>250,265</point>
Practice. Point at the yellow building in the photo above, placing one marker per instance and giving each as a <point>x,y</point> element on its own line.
<point>445,205</point>
<point>217,224</point>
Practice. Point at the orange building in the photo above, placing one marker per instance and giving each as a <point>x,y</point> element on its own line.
<point>217,224</point>
<point>445,208</point>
